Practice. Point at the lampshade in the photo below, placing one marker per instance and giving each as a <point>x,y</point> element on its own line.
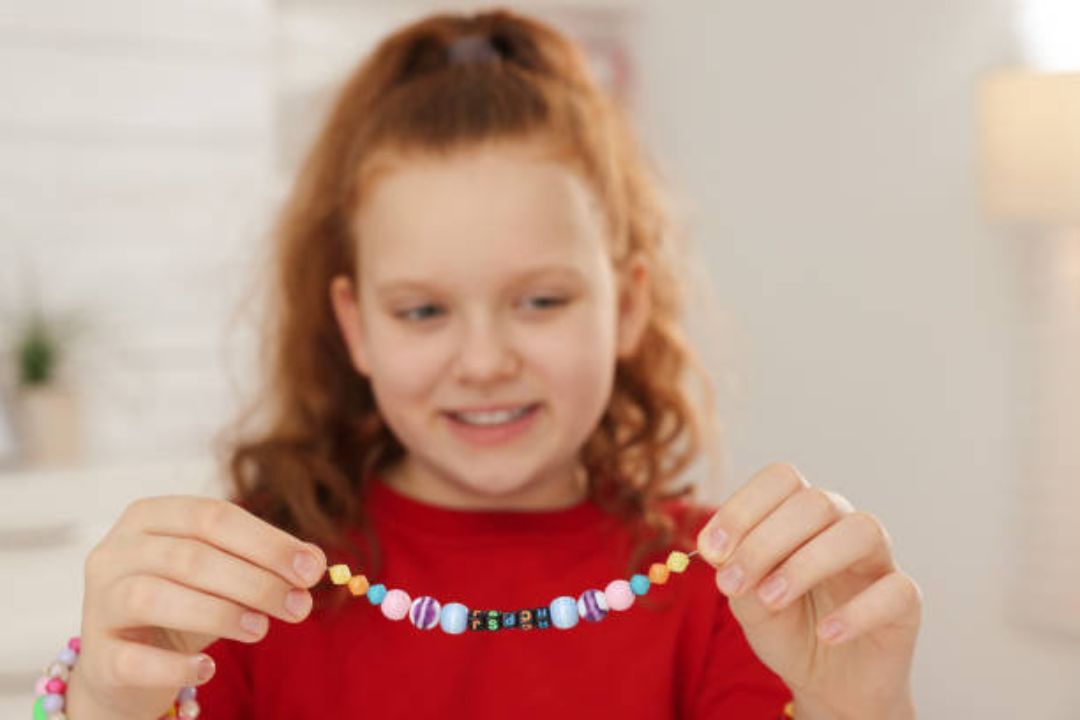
<point>1029,146</point>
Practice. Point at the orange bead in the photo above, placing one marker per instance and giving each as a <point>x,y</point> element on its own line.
<point>358,585</point>
<point>658,573</point>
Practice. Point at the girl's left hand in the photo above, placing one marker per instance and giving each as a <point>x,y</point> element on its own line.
<point>829,563</point>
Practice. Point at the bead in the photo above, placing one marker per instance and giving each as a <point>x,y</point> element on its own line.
<point>358,585</point>
<point>57,669</point>
<point>75,644</point>
<point>639,584</point>
<point>39,686</point>
<point>677,561</point>
<point>618,594</point>
<point>592,606</point>
<point>543,618</point>
<point>339,574</point>
<point>187,693</point>
<point>53,703</point>
<point>395,605</point>
<point>55,685</point>
<point>478,620</point>
<point>454,618</point>
<point>424,612</point>
<point>564,613</point>
<point>67,656</point>
<point>189,709</point>
<point>493,618</point>
<point>526,619</point>
<point>508,620</point>
<point>39,708</point>
<point>658,573</point>
<point>376,593</point>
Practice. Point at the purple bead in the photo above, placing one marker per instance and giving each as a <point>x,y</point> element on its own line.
<point>67,656</point>
<point>424,612</point>
<point>187,693</point>
<point>592,605</point>
<point>53,703</point>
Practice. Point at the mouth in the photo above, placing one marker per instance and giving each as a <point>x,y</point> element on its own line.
<point>493,416</point>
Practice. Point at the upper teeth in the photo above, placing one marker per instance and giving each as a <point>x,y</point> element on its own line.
<point>492,418</point>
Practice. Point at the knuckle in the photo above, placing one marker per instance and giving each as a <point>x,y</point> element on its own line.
<point>211,514</point>
<point>873,527</point>
<point>184,558</point>
<point>787,474</point>
<point>821,501</point>
<point>142,596</point>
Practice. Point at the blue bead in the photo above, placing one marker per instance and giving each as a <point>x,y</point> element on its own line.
<point>509,620</point>
<point>639,584</point>
<point>54,702</point>
<point>564,613</point>
<point>454,618</point>
<point>376,593</point>
<point>187,693</point>
<point>67,656</point>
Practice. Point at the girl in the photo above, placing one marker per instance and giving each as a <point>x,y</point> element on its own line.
<point>476,396</point>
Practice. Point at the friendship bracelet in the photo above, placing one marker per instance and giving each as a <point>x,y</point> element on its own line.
<point>50,691</point>
<point>563,612</point>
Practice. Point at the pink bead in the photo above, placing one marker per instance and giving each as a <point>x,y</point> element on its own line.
<point>39,687</point>
<point>619,595</point>
<point>55,685</point>
<point>396,604</point>
<point>75,644</point>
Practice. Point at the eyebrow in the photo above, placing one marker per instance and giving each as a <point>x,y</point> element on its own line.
<point>407,283</point>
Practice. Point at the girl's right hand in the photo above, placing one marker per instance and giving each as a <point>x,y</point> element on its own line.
<point>173,575</point>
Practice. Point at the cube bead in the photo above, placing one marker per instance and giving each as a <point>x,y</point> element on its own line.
<point>678,561</point>
<point>339,574</point>
<point>658,573</point>
<point>358,585</point>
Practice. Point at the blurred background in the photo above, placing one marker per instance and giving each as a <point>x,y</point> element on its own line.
<point>885,195</point>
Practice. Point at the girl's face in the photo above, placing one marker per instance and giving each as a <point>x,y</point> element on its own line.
<point>485,281</point>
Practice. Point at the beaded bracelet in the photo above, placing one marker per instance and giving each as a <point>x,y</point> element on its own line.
<point>563,612</point>
<point>50,691</point>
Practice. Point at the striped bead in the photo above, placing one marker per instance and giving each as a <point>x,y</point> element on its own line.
<point>592,606</point>
<point>424,612</point>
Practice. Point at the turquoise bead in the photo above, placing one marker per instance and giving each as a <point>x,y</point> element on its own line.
<point>639,584</point>
<point>454,618</point>
<point>564,612</point>
<point>376,593</point>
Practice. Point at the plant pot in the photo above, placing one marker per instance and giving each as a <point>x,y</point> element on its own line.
<point>47,425</point>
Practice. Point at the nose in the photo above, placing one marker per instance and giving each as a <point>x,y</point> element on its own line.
<point>485,353</point>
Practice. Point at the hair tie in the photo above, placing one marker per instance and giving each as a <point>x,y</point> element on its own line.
<point>471,48</point>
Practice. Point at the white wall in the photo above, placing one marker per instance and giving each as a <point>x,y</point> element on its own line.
<point>827,151</point>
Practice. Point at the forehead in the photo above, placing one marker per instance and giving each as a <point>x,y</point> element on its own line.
<point>490,209</point>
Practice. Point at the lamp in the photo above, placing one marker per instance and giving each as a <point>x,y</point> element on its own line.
<point>1029,151</point>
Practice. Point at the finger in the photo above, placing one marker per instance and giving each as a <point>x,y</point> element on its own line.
<point>234,530</point>
<point>855,539</point>
<point>750,504</point>
<point>204,567</point>
<point>893,599</point>
<point>149,600</point>
<point>132,664</point>
<point>797,520</point>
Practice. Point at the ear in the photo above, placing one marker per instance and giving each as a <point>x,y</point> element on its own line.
<point>635,304</point>
<point>347,311</point>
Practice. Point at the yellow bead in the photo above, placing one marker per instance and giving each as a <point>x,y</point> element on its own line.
<point>358,585</point>
<point>339,574</point>
<point>658,574</point>
<point>677,561</point>
<point>789,710</point>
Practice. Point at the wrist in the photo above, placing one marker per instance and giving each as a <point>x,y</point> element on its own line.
<point>808,707</point>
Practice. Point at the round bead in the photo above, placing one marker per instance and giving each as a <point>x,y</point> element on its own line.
<point>592,605</point>
<point>39,708</point>
<point>57,669</point>
<point>55,685</point>
<point>454,618</point>
<point>677,561</point>
<point>639,584</point>
<point>75,644</point>
<point>358,585</point>
<point>189,709</point>
<point>618,594</point>
<point>39,686</point>
<point>424,612</point>
<point>187,693</point>
<point>658,574</point>
<point>564,612</point>
<point>376,593</point>
<point>339,574</point>
<point>67,656</point>
<point>53,703</point>
<point>395,605</point>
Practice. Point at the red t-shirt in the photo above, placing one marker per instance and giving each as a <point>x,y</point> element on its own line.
<point>677,652</point>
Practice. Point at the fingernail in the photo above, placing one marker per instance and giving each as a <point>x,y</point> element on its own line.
<point>297,603</point>
<point>254,623</point>
<point>831,630</point>
<point>773,589</point>
<point>717,541</point>
<point>730,579</point>
<point>307,567</point>
<point>205,668</point>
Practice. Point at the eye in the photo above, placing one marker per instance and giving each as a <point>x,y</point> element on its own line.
<point>415,313</point>
<point>546,302</point>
